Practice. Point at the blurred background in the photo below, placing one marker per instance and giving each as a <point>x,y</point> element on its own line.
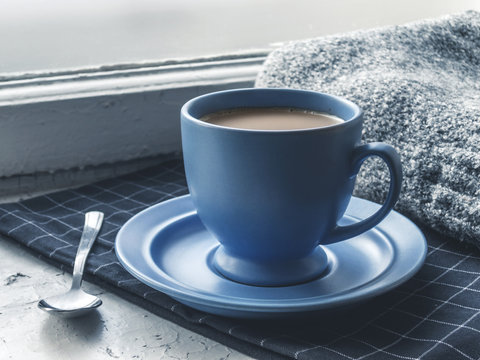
<point>46,35</point>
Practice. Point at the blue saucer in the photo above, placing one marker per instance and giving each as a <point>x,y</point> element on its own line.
<point>167,247</point>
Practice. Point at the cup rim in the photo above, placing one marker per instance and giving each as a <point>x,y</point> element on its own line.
<point>357,112</point>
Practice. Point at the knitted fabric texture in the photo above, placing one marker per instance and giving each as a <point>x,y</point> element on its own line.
<point>419,86</point>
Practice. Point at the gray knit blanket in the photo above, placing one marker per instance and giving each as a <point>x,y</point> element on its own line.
<point>419,86</point>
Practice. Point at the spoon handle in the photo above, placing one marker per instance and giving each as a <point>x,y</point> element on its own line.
<point>93,223</point>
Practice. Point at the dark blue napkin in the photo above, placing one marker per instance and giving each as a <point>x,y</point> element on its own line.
<point>435,315</point>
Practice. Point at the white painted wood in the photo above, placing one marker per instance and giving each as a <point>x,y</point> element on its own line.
<point>40,86</point>
<point>65,120</point>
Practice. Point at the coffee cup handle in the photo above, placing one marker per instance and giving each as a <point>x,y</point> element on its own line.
<point>388,154</point>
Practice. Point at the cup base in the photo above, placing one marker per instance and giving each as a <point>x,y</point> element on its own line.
<point>279,273</point>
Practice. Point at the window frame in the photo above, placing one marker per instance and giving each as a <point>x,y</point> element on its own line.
<point>71,119</point>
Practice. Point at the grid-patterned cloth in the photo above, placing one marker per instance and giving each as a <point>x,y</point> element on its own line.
<point>435,315</point>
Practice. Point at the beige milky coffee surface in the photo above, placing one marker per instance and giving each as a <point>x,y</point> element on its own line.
<point>271,119</point>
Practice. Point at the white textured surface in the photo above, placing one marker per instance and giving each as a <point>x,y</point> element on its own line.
<point>118,330</point>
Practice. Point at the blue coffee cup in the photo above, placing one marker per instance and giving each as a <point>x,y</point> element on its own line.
<point>273,197</point>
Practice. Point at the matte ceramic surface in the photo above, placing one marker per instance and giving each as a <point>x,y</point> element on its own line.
<point>271,196</point>
<point>168,248</point>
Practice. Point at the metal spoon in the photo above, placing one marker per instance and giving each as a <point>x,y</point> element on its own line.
<point>76,302</point>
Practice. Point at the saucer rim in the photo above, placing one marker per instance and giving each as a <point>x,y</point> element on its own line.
<point>184,293</point>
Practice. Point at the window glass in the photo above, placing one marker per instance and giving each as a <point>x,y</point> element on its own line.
<point>46,35</point>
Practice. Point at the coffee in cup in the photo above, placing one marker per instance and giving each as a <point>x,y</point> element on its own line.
<point>276,118</point>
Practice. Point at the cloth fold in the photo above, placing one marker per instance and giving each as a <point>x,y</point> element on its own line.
<point>419,86</point>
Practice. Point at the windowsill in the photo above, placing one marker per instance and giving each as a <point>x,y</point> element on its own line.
<point>106,115</point>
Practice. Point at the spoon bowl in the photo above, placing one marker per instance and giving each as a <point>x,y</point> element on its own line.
<point>71,304</point>
<point>76,302</point>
